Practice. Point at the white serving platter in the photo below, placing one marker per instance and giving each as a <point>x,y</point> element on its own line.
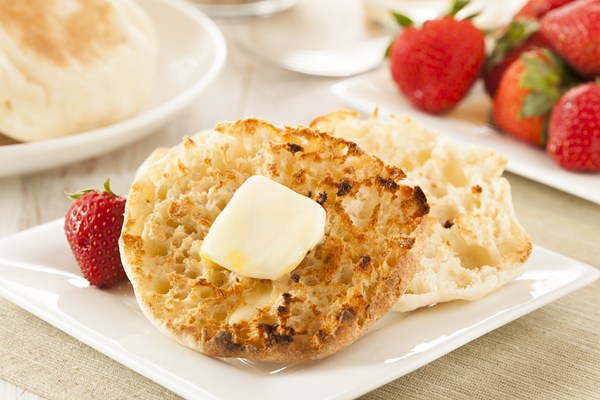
<point>39,273</point>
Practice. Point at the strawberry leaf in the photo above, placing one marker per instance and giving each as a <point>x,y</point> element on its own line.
<point>552,75</point>
<point>80,193</point>
<point>547,77</point>
<point>517,33</point>
<point>544,135</point>
<point>107,188</point>
<point>473,16</point>
<point>536,105</point>
<point>543,76</point>
<point>388,50</point>
<point>457,6</point>
<point>402,20</point>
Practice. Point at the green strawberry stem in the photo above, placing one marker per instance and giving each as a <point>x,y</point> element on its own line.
<point>405,22</point>
<point>457,6</point>
<point>547,78</point>
<point>473,16</point>
<point>517,33</point>
<point>388,50</point>
<point>107,188</point>
<point>80,193</point>
<point>402,20</point>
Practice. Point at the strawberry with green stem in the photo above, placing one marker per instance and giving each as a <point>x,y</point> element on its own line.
<point>527,92</point>
<point>92,226</point>
<point>517,38</point>
<point>434,66</point>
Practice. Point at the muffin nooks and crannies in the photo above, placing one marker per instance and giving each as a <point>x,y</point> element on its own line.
<point>372,244</point>
<point>475,243</point>
<point>71,66</point>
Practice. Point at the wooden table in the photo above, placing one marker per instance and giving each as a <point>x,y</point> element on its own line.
<point>249,88</point>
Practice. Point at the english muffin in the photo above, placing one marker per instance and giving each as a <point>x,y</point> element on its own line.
<point>475,243</point>
<point>372,243</point>
<point>72,66</point>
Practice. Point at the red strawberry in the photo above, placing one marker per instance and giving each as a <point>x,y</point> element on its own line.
<point>574,129</point>
<point>92,226</point>
<point>537,8</point>
<point>435,66</point>
<point>494,72</point>
<point>518,37</point>
<point>527,91</point>
<point>573,31</point>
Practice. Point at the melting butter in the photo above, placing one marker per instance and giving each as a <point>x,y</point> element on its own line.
<point>265,230</point>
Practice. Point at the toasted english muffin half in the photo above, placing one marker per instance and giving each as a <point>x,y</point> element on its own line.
<point>370,251</point>
<point>475,243</point>
<point>72,66</point>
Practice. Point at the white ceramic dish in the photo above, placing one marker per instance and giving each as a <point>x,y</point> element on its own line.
<point>245,8</point>
<point>39,273</point>
<point>192,52</point>
<point>469,122</point>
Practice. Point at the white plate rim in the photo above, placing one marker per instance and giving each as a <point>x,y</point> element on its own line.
<point>144,122</point>
<point>246,9</point>
<point>581,275</point>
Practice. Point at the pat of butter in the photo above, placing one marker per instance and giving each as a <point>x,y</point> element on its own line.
<point>265,230</point>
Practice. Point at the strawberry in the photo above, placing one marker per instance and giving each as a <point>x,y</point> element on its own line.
<point>573,31</point>
<point>527,91</point>
<point>574,129</point>
<point>92,225</point>
<point>518,37</point>
<point>535,9</point>
<point>435,65</point>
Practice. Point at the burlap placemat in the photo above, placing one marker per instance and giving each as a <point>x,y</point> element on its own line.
<point>552,353</point>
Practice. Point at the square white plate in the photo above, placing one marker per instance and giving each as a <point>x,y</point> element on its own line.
<point>468,123</point>
<point>39,273</point>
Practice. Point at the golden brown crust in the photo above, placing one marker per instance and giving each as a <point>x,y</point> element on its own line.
<point>370,252</point>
